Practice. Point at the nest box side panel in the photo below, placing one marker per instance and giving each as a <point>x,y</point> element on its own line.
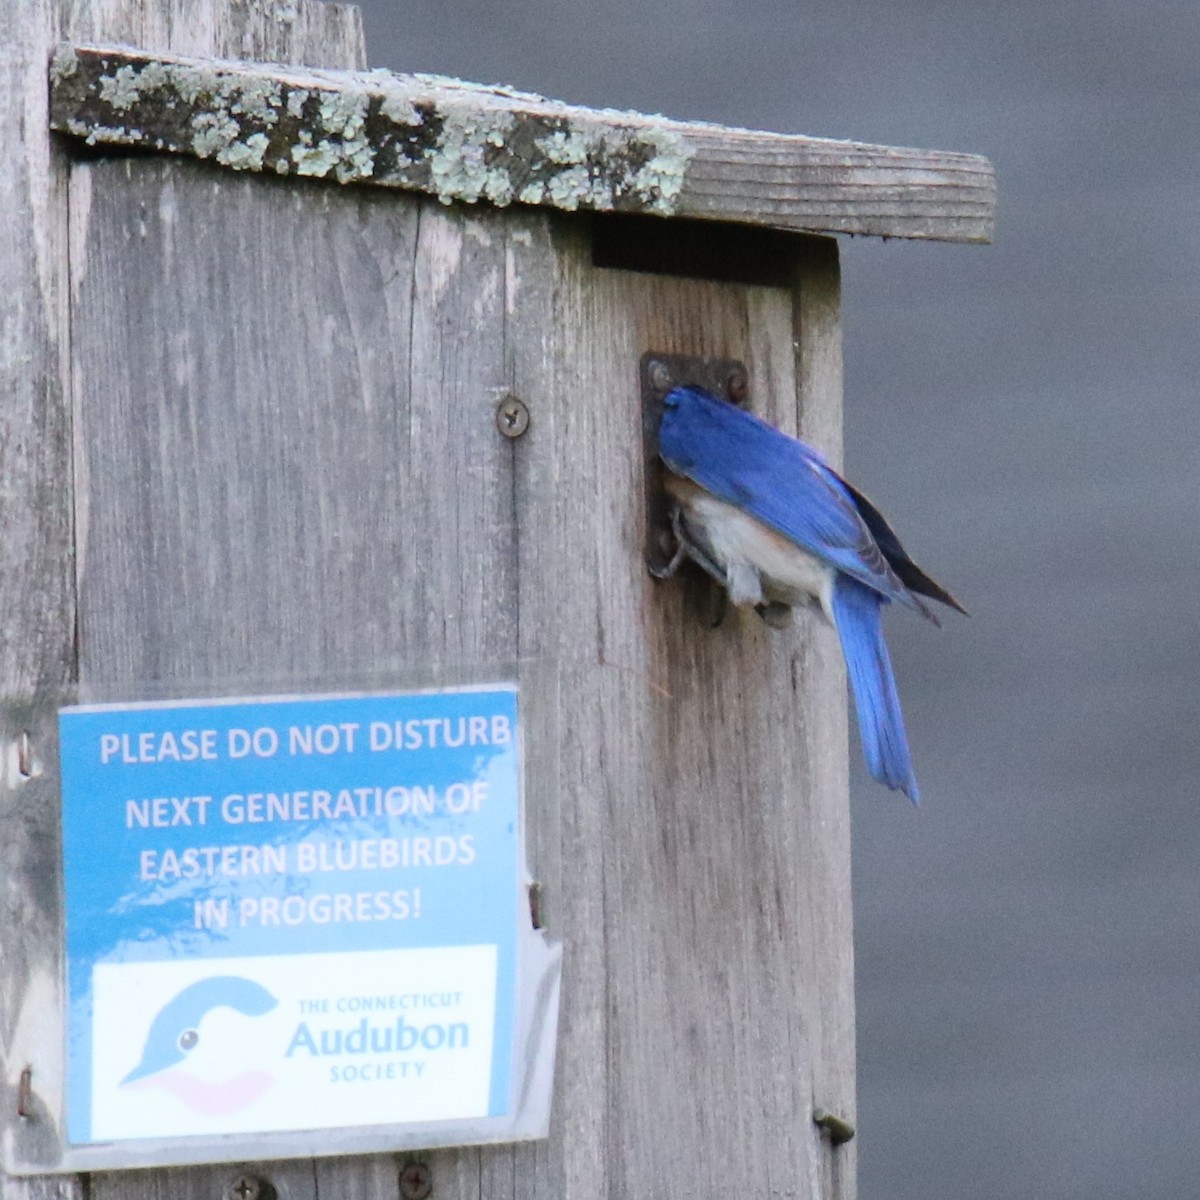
<point>284,430</point>
<point>37,509</point>
<point>287,459</point>
<point>289,463</point>
<point>705,849</point>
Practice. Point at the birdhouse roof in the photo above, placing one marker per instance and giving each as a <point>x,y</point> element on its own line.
<point>469,143</point>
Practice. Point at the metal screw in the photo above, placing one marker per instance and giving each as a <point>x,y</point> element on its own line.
<point>660,377</point>
<point>416,1182</point>
<point>246,1187</point>
<point>737,386</point>
<point>535,905</point>
<point>25,1093</point>
<point>512,417</point>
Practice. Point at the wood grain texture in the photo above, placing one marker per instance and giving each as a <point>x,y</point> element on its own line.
<point>36,580</point>
<point>37,509</point>
<point>464,142</point>
<point>215,404</point>
<point>321,492</point>
<point>307,32</point>
<point>825,748</point>
<point>687,840</point>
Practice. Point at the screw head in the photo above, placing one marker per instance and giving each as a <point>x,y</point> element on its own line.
<point>660,377</point>
<point>245,1187</point>
<point>416,1181</point>
<point>512,417</point>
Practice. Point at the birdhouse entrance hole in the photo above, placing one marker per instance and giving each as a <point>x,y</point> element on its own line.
<point>724,377</point>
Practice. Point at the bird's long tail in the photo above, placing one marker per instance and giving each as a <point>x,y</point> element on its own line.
<point>858,615</point>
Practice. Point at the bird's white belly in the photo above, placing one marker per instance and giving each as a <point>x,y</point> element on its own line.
<point>789,574</point>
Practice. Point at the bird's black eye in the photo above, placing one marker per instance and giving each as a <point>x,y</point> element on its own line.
<point>188,1038</point>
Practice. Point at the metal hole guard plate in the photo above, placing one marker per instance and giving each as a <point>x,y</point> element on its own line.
<point>725,377</point>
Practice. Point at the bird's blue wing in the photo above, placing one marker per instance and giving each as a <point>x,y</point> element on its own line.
<point>781,481</point>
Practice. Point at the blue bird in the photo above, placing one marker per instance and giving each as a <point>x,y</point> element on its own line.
<point>174,1033</point>
<point>771,520</point>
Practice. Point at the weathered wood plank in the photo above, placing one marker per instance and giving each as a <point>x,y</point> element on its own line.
<point>823,750</point>
<point>308,32</point>
<point>294,1180</point>
<point>324,494</point>
<point>535,1171</point>
<point>688,862</point>
<point>209,397</point>
<point>37,510</point>
<point>673,839</point>
<point>469,143</point>
<point>36,582</point>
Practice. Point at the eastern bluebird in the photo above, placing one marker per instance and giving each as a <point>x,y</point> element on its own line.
<point>769,519</point>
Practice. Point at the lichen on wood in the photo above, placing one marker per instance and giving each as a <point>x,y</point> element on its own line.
<point>463,142</point>
<point>407,131</point>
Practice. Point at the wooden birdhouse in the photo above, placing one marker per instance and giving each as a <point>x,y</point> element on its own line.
<point>373,822</point>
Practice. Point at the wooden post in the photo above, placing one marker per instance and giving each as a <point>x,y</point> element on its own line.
<point>268,451</point>
<point>41,512</point>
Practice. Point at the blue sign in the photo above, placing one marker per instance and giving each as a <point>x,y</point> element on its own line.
<point>290,913</point>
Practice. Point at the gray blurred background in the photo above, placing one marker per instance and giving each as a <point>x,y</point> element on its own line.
<point>1026,413</point>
